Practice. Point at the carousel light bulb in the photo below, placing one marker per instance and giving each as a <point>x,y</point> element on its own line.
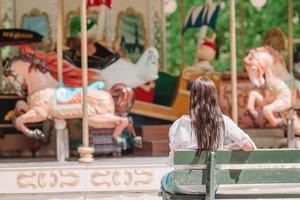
<point>170,6</point>
<point>258,3</point>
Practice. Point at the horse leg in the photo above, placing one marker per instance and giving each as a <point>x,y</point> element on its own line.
<point>296,124</point>
<point>136,140</point>
<point>254,96</point>
<point>31,116</point>
<point>278,105</point>
<point>21,108</point>
<point>111,121</point>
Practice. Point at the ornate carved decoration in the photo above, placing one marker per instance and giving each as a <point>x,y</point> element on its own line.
<point>42,179</point>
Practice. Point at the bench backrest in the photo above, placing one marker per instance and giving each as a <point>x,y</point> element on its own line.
<point>223,167</point>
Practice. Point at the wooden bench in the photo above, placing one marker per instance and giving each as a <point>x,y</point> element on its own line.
<point>238,175</point>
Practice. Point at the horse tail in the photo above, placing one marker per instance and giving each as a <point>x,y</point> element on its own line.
<point>123,97</point>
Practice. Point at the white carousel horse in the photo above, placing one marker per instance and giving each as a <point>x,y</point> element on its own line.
<point>266,70</point>
<point>132,75</point>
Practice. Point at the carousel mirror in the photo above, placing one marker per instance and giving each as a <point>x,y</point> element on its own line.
<point>72,26</point>
<point>39,22</point>
<point>131,33</point>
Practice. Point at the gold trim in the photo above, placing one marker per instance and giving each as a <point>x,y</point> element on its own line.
<point>131,11</point>
<point>36,12</point>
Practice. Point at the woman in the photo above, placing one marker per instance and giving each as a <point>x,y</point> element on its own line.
<point>205,128</point>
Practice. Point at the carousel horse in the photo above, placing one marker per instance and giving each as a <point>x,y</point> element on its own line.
<point>266,70</point>
<point>112,67</point>
<point>46,99</point>
<point>116,70</point>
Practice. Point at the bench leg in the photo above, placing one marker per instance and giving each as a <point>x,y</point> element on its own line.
<point>211,184</point>
<point>290,132</point>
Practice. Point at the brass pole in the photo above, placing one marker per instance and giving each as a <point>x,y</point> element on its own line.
<point>1,67</point>
<point>59,38</point>
<point>182,44</point>
<point>234,111</point>
<point>290,35</point>
<point>86,152</point>
<point>242,29</point>
<point>163,39</point>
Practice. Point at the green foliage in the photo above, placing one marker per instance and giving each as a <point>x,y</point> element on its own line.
<point>256,22</point>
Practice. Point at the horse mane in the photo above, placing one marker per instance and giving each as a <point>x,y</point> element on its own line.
<point>35,62</point>
<point>48,62</point>
<point>278,67</point>
<point>249,59</point>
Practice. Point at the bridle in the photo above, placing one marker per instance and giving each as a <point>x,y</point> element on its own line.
<point>17,80</point>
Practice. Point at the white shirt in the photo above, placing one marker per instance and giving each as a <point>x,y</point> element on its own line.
<point>182,136</point>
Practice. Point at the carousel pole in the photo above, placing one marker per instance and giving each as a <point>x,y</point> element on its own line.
<point>182,43</point>
<point>59,38</point>
<point>163,40</point>
<point>62,139</point>
<point>233,62</point>
<point>86,152</point>
<point>1,67</point>
<point>290,35</point>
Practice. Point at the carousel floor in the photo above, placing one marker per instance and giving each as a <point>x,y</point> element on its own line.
<point>107,178</point>
<point>125,178</point>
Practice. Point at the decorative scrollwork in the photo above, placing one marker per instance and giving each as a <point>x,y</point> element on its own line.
<point>21,183</point>
<point>97,181</point>
<point>129,178</point>
<point>144,173</point>
<point>74,178</point>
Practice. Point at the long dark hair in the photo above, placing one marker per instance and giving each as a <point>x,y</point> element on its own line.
<point>206,116</point>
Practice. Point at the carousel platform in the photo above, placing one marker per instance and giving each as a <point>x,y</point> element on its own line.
<point>109,178</point>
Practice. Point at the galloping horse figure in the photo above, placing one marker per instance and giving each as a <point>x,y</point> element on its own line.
<point>45,99</point>
<point>266,69</point>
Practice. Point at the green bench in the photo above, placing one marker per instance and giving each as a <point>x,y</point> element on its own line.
<point>225,174</point>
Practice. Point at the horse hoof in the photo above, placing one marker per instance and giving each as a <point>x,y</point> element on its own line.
<point>137,141</point>
<point>38,134</point>
<point>120,141</point>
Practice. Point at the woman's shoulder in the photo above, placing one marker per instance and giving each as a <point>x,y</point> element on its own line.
<point>182,122</point>
<point>184,119</point>
<point>227,120</point>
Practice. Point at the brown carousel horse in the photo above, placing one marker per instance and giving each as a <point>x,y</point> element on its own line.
<point>45,99</point>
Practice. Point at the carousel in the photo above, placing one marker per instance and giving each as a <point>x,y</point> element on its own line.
<point>87,98</point>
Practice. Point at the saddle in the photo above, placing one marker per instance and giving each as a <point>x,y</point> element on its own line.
<point>65,94</point>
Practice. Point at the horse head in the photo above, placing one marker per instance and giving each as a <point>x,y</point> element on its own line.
<point>256,64</point>
<point>148,65</point>
<point>24,72</point>
<point>16,73</point>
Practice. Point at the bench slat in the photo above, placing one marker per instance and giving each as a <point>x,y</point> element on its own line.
<point>189,157</point>
<point>245,176</point>
<point>190,177</point>
<point>235,196</point>
<point>239,157</point>
<point>259,156</point>
<point>255,176</point>
<point>258,196</point>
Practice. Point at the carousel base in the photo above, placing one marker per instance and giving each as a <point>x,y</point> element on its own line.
<point>113,178</point>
